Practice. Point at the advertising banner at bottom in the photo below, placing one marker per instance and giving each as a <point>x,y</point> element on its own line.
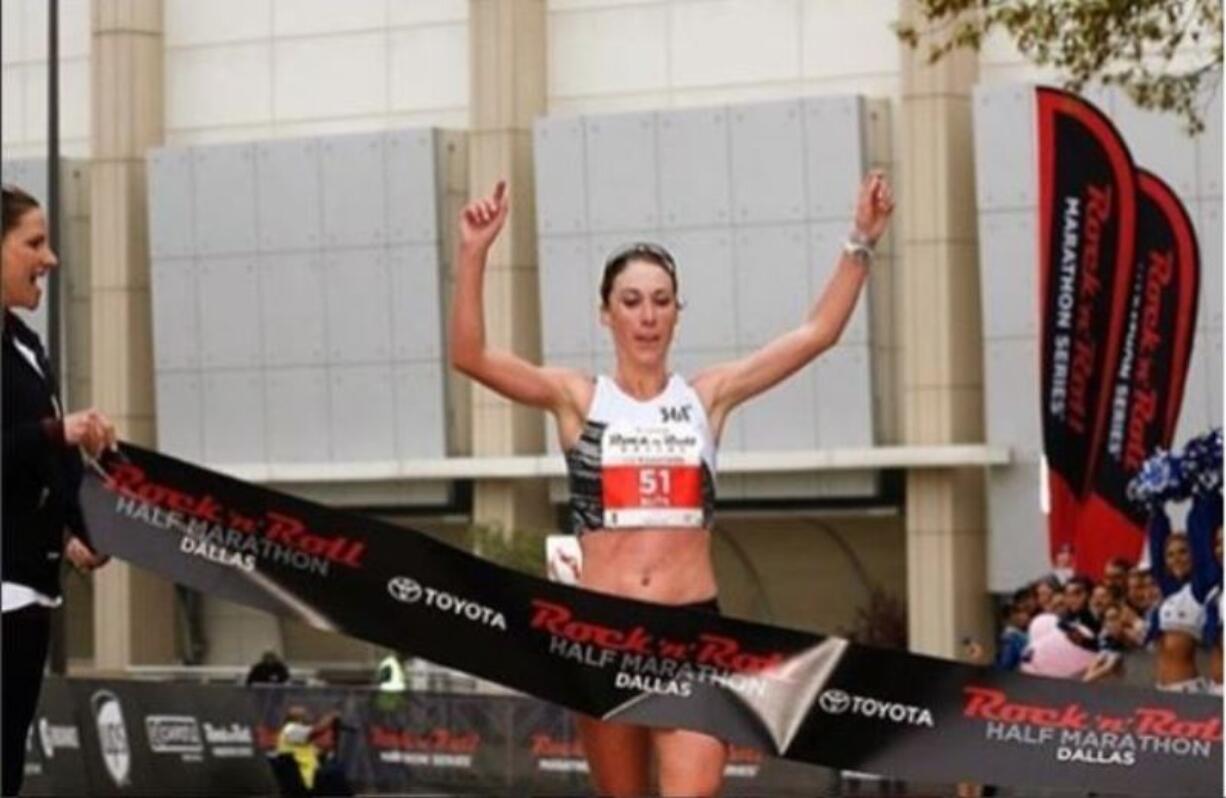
<point>120,737</point>
<point>797,695</point>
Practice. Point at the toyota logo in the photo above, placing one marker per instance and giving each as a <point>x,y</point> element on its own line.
<point>835,702</point>
<point>404,589</point>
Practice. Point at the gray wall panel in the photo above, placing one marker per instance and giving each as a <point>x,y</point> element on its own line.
<point>826,241</point>
<point>1194,413</point>
<point>298,415</point>
<point>354,202</point>
<point>1158,143</point>
<point>362,416</point>
<point>783,417</point>
<point>224,197</point>
<point>358,298</point>
<point>1005,148</point>
<point>1011,374</point>
<point>292,306</point>
<point>772,280</point>
<point>180,414</point>
<point>420,418</point>
<point>1215,380</point>
<point>694,179</point>
<point>229,312</point>
<point>621,172</point>
<point>568,297</point>
<point>1202,396</point>
<point>1207,216</point>
<point>176,323</point>
<point>1017,545</point>
<point>844,407</point>
<point>303,273</point>
<point>416,302</point>
<point>834,154</point>
<point>560,171</point>
<point>1209,150</point>
<point>1008,258</point>
<point>768,174</point>
<point>289,192</point>
<point>707,282</point>
<point>233,416</point>
<point>171,209</point>
<point>412,187</point>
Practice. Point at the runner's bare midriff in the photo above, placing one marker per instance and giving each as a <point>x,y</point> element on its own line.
<point>667,566</point>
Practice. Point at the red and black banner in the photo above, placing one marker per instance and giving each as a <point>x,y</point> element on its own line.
<point>787,693</point>
<point>1119,278</point>
<point>1149,373</point>
<point>1087,229</point>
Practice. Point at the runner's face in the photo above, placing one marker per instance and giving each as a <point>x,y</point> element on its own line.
<point>642,313</point>
<point>27,256</point>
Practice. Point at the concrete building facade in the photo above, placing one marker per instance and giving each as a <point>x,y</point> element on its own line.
<point>138,74</point>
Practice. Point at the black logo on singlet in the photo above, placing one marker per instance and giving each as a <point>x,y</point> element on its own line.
<point>673,415</point>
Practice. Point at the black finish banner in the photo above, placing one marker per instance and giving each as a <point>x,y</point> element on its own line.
<point>787,693</point>
<point>1087,229</point>
<point>1152,367</point>
<point>504,744</point>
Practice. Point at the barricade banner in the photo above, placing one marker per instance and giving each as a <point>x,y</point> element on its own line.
<point>1087,229</point>
<point>123,737</point>
<point>787,693</point>
<point>1148,374</point>
<point>478,743</point>
<point>55,761</point>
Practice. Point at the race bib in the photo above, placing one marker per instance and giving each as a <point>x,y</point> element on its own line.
<point>651,476</point>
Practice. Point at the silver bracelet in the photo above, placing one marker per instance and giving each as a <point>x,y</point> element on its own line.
<point>860,253</point>
<point>857,237</point>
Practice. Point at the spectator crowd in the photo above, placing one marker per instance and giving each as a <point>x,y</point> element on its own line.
<point>1155,622</point>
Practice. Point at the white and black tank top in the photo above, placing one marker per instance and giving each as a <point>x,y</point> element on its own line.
<point>643,463</point>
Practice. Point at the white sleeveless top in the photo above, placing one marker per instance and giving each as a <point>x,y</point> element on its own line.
<point>643,463</point>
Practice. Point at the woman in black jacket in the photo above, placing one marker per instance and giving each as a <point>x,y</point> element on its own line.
<point>42,472</point>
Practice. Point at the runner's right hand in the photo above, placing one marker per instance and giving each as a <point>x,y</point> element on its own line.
<point>482,219</point>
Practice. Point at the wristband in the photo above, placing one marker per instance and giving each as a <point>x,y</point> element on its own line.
<point>859,252</point>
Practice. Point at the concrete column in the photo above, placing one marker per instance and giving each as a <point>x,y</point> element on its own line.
<point>133,611</point>
<point>508,67</point>
<point>941,347</point>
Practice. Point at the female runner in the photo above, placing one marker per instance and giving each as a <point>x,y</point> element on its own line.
<point>645,526</point>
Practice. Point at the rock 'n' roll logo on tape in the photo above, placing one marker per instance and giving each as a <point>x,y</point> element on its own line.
<point>227,535</point>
